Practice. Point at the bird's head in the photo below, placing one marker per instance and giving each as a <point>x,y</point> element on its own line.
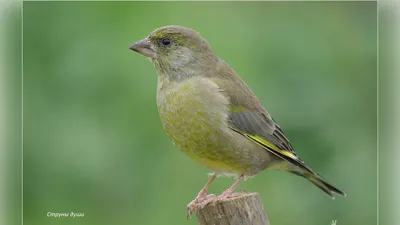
<point>174,48</point>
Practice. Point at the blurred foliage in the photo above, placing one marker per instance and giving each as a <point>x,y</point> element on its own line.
<point>93,142</point>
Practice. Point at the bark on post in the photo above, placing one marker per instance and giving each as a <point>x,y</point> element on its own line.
<point>243,209</point>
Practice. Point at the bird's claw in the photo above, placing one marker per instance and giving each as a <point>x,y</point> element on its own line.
<point>221,197</point>
<point>189,210</point>
<point>198,203</point>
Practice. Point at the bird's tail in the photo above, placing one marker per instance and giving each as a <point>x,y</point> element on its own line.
<point>320,182</point>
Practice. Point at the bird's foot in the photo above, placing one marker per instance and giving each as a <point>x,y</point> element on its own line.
<point>198,203</point>
<point>194,206</point>
<point>223,196</point>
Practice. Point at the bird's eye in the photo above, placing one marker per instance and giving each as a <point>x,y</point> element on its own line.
<point>166,41</point>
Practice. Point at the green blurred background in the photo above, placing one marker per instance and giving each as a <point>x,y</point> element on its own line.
<point>93,141</point>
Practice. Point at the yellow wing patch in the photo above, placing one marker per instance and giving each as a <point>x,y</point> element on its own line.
<point>271,146</point>
<point>237,109</point>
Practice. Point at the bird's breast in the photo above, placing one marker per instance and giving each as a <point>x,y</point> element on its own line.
<point>193,112</point>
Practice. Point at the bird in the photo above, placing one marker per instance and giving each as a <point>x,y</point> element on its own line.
<point>210,113</point>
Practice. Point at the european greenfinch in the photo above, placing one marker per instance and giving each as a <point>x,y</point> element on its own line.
<point>211,114</point>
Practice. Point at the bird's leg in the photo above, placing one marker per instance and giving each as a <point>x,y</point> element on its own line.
<point>201,196</point>
<point>225,194</point>
<point>228,192</point>
<point>203,192</point>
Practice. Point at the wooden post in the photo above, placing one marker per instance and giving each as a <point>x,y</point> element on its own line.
<point>243,209</point>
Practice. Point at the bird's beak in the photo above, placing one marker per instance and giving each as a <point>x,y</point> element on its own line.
<point>144,47</point>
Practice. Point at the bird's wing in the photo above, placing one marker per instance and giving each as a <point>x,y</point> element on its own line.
<point>250,119</point>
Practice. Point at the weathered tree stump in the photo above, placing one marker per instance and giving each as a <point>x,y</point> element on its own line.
<point>243,209</point>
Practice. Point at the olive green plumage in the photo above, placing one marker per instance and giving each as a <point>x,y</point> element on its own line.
<point>211,114</point>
